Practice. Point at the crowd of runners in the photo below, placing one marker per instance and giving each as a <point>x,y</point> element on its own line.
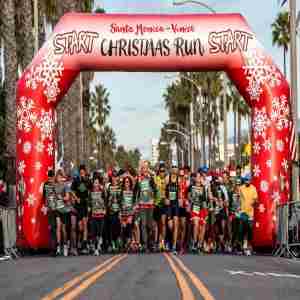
<point>149,210</point>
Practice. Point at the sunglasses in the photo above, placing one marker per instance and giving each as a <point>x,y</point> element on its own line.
<point>162,171</point>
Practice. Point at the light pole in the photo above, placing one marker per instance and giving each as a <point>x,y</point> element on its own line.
<point>293,93</point>
<point>187,138</point>
<point>203,160</point>
<point>195,2</point>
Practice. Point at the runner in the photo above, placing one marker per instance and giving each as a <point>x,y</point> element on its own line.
<point>98,212</point>
<point>145,191</point>
<point>81,186</point>
<point>127,212</point>
<point>198,199</point>
<point>160,210</point>
<point>183,185</point>
<point>63,213</point>
<point>114,207</point>
<point>248,197</point>
<point>173,215</point>
<point>49,196</point>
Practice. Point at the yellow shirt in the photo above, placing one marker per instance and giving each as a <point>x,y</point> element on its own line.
<point>248,198</point>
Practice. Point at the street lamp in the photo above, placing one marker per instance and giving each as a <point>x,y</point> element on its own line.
<point>294,97</point>
<point>195,2</point>
<point>192,117</point>
<point>187,139</point>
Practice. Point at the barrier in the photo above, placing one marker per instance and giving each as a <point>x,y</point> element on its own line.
<point>288,228</point>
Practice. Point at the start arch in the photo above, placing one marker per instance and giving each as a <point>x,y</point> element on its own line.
<point>114,42</point>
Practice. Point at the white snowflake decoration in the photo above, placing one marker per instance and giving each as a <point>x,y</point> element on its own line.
<point>38,165</point>
<point>26,117</point>
<point>256,171</point>
<point>31,200</point>
<point>269,163</point>
<point>39,147</point>
<point>279,145</point>
<point>21,167</point>
<point>44,210</point>
<point>275,178</point>
<point>264,186</point>
<point>257,224</point>
<point>256,148</point>
<point>20,228</point>
<point>280,112</point>
<point>267,145</point>
<point>27,147</point>
<point>50,149</point>
<point>33,220</point>
<point>259,71</point>
<point>261,208</point>
<point>285,164</point>
<point>276,197</point>
<point>254,90</point>
<point>19,141</point>
<point>48,73</point>
<point>260,122</point>
<point>46,124</point>
<point>31,180</point>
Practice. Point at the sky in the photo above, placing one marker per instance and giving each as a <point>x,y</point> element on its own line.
<point>136,98</point>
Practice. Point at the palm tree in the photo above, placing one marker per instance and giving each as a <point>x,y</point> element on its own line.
<point>281,34</point>
<point>24,33</point>
<point>8,29</point>
<point>99,111</point>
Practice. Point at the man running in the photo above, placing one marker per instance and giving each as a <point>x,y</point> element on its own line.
<point>145,191</point>
<point>248,198</point>
<point>82,187</point>
<point>114,208</point>
<point>160,210</point>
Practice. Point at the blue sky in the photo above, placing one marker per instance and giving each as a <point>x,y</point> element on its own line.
<point>136,98</point>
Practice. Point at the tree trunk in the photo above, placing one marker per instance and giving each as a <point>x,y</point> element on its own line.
<point>203,135</point>
<point>284,61</point>
<point>239,137</point>
<point>24,33</point>
<point>225,133</point>
<point>10,61</point>
<point>235,134</point>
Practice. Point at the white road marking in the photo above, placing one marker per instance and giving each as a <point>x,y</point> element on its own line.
<point>266,274</point>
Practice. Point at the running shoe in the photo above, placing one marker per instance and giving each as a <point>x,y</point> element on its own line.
<point>96,253</point>
<point>247,252</point>
<point>58,251</point>
<point>66,250</point>
<point>174,251</point>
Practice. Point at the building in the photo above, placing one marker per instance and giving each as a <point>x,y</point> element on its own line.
<point>154,151</point>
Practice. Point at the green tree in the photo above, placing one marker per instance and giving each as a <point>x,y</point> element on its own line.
<point>281,34</point>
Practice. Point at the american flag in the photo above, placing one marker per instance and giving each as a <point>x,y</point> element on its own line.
<point>293,142</point>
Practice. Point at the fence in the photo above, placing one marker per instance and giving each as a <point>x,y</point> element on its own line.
<point>288,230</point>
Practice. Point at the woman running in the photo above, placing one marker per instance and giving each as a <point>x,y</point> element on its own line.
<point>98,212</point>
<point>63,213</point>
<point>114,206</point>
<point>198,199</point>
<point>127,206</point>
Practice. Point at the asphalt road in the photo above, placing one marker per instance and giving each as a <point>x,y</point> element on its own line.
<point>156,276</point>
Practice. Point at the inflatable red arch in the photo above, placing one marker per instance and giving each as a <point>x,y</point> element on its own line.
<point>117,42</point>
